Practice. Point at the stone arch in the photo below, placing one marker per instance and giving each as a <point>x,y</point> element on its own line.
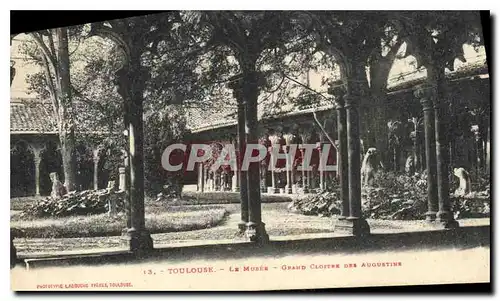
<point>22,171</point>
<point>51,162</point>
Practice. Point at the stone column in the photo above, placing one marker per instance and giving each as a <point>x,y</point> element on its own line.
<point>237,86</point>
<point>255,228</point>
<point>235,185</point>
<point>305,183</point>
<point>207,179</point>
<point>321,166</point>
<point>342,156</point>
<point>131,80</point>
<point>263,176</point>
<point>354,224</point>
<point>96,153</point>
<point>201,179</point>
<point>273,188</point>
<point>288,186</point>
<point>292,139</point>
<point>264,164</point>
<point>430,152</point>
<point>338,90</point>
<point>37,154</point>
<point>126,186</point>
<point>220,176</point>
<point>122,178</point>
<point>444,215</point>
<point>309,180</point>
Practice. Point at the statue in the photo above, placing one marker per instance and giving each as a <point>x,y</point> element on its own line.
<point>370,166</point>
<point>58,189</point>
<point>465,185</point>
<point>410,165</point>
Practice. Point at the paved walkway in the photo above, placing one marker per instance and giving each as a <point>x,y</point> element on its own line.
<point>280,225</point>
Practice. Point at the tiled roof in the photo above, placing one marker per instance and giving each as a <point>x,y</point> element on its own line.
<point>31,116</point>
<point>207,118</point>
<point>27,116</point>
<point>406,81</point>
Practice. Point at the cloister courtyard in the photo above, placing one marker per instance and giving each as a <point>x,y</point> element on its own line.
<point>396,105</point>
<point>214,224</point>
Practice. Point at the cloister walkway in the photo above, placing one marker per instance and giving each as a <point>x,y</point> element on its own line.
<point>282,225</point>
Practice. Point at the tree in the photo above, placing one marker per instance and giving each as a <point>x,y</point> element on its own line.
<point>163,128</point>
<point>136,37</point>
<point>255,40</point>
<point>52,54</point>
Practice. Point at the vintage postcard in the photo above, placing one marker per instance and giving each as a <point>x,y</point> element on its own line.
<point>250,150</point>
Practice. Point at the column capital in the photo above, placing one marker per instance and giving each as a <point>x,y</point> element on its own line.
<point>37,158</point>
<point>275,139</point>
<point>236,84</point>
<point>97,152</point>
<point>290,138</point>
<point>130,77</point>
<point>338,90</point>
<point>37,151</point>
<point>426,95</point>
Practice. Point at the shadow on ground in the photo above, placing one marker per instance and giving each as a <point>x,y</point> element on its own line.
<point>461,238</point>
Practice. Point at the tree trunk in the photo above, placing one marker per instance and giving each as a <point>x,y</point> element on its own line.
<point>374,126</point>
<point>375,129</point>
<point>66,130</point>
<point>255,227</point>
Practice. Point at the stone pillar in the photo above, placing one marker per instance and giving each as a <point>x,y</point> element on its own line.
<point>37,154</point>
<point>444,215</point>
<point>235,186</point>
<point>131,81</point>
<point>255,228</point>
<point>207,180</point>
<point>309,180</point>
<point>342,156</point>
<point>430,152</point>
<point>96,153</point>
<point>126,186</point>
<point>288,186</point>
<point>321,166</point>
<point>201,177</point>
<point>354,224</point>
<point>221,180</point>
<point>264,141</point>
<point>305,188</point>
<point>292,139</point>
<point>273,188</point>
<point>237,86</point>
<point>122,185</point>
<point>263,176</point>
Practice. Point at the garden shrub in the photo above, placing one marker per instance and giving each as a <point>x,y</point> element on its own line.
<point>75,203</point>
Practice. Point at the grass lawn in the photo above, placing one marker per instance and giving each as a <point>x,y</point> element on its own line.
<point>159,219</point>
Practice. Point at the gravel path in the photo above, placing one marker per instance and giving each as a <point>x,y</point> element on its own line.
<point>279,223</point>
